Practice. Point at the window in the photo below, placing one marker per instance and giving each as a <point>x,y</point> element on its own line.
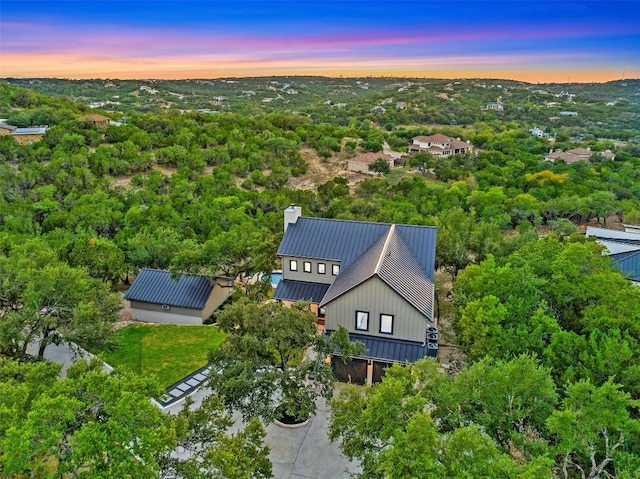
<point>306,266</point>
<point>322,311</point>
<point>293,265</point>
<point>362,320</point>
<point>335,269</point>
<point>322,268</point>
<point>386,323</point>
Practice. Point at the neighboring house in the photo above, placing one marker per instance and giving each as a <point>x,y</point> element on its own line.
<point>538,132</point>
<point>374,279</point>
<point>26,136</point>
<point>576,154</point>
<point>440,145</point>
<point>495,106</point>
<point>100,121</point>
<point>156,297</point>
<point>623,247</point>
<point>6,129</point>
<point>568,113</point>
<point>361,163</point>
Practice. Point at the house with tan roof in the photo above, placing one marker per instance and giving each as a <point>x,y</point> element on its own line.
<point>100,121</point>
<point>440,145</point>
<point>575,155</point>
<point>361,163</point>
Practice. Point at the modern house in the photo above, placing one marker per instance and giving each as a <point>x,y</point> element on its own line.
<point>361,163</point>
<point>623,247</point>
<point>374,279</point>
<point>156,297</point>
<point>440,145</point>
<point>576,154</point>
<point>27,136</point>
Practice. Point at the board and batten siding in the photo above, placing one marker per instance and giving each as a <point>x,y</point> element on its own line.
<point>314,276</point>
<point>375,297</point>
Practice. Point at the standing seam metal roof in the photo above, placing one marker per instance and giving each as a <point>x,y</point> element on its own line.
<point>391,259</point>
<point>391,349</point>
<point>345,240</point>
<point>158,287</point>
<point>289,290</point>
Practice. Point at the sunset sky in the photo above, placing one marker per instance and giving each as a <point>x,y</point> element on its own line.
<point>544,40</point>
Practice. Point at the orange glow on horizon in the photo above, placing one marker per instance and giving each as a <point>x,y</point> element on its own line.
<point>221,66</point>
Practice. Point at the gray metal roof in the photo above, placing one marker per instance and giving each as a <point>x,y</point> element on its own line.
<point>391,259</point>
<point>395,350</point>
<point>158,287</point>
<point>619,246</point>
<point>30,131</point>
<point>607,233</point>
<point>289,290</point>
<point>337,240</point>
<point>344,241</point>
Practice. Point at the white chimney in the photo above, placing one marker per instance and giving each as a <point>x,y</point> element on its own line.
<point>291,215</point>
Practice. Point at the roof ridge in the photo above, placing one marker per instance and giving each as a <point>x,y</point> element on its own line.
<point>385,247</point>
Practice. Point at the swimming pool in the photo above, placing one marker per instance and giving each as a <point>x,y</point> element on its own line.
<point>276,276</point>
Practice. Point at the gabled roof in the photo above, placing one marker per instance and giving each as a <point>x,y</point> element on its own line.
<point>391,260</point>
<point>158,287</point>
<point>4,126</point>
<point>344,241</point>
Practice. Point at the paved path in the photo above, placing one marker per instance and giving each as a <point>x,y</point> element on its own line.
<point>303,452</point>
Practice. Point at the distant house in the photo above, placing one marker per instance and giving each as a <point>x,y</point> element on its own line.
<point>576,154</point>
<point>440,145</point>
<point>374,279</point>
<point>495,106</point>
<point>568,113</point>
<point>27,136</point>
<point>623,247</point>
<point>6,129</point>
<point>156,297</point>
<point>538,132</point>
<point>361,163</point>
<point>100,121</point>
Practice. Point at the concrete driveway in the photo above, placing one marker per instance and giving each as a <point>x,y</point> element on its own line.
<point>303,452</point>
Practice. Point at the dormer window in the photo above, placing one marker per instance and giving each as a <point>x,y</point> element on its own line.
<point>306,266</point>
<point>335,269</point>
<point>293,265</point>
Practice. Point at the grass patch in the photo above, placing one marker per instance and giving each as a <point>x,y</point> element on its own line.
<point>166,351</point>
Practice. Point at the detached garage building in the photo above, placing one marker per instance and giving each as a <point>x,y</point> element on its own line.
<point>156,297</point>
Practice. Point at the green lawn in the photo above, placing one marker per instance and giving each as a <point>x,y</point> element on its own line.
<point>168,352</point>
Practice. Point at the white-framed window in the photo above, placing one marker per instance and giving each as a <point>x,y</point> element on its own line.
<point>293,265</point>
<point>306,266</point>
<point>386,323</point>
<point>322,268</point>
<point>362,320</point>
<point>335,269</point>
<point>322,311</point>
